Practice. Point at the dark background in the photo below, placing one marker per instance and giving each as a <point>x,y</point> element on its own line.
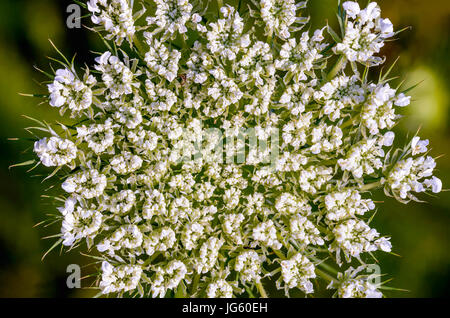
<point>420,232</point>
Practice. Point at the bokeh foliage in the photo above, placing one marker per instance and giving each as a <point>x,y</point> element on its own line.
<point>420,232</point>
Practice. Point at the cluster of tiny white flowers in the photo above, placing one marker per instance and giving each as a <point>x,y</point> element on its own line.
<point>55,151</point>
<point>171,17</point>
<point>365,33</point>
<point>304,231</point>
<point>413,174</point>
<point>297,272</point>
<point>354,237</point>
<point>300,58</point>
<point>161,61</point>
<point>280,15</point>
<point>119,278</point>
<point>346,204</point>
<point>163,182</point>
<point>351,285</point>
<point>117,77</point>
<point>80,224</point>
<point>99,137</point>
<point>219,289</point>
<point>67,91</point>
<point>248,264</point>
<point>88,184</point>
<point>365,157</point>
<point>168,277</point>
<point>379,113</point>
<point>339,93</point>
<point>115,16</point>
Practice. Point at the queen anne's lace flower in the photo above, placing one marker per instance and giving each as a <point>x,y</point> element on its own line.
<point>89,184</point>
<point>121,278</point>
<point>406,177</point>
<point>219,289</point>
<point>354,237</point>
<point>300,58</point>
<point>225,36</point>
<point>80,223</point>
<point>346,204</point>
<point>168,277</point>
<point>99,137</point>
<point>266,234</point>
<point>126,163</point>
<point>304,231</point>
<point>340,93</point>
<point>161,60</point>
<point>379,112</point>
<point>248,264</point>
<point>68,91</point>
<point>117,77</point>
<point>365,33</point>
<point>363,158</point>
<point>208,254</point>
<point>207,158</point>
<point>172,16</point>
<point>349,285</point>
<point>54,151</point>
<point>125,238</point>
<point>288,204</point>
<point>297,272</point>
<point>115,16</point>
<point>279,15</point>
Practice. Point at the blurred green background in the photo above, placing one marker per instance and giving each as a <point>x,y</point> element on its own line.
<point>420,232</point>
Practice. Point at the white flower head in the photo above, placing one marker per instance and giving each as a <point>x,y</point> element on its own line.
<point>365,33</point>
<point>197,157</point>
<point>54,151</point>
<point>115,16</point>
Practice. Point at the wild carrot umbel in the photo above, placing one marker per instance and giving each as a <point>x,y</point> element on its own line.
<point>220,147</point>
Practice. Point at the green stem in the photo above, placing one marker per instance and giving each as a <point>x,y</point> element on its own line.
<point>328,268</point>
<point>219,4</point>
<point>371,186</point>
<point>261,290</point>
<point>350,122</point>
<point>336,68</point>
<point>183,41</point>
<point>195,283</point>
<point>181,291</point>
<point>151,259</point>
<point>279,254</point>
<point>329,162</point>
<point>325,275</point>
<point>270,37</point>
<point>250,294</point>
<point>139,45</point>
